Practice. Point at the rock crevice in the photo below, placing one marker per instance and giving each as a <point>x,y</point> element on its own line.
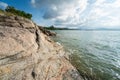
<point>37,38</point>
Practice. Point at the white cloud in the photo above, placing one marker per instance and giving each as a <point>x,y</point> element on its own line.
<point>3,5</point>
<point>63,8</point>
<point>107,14</point>
<point>81,12</point>
<point>33,3</point>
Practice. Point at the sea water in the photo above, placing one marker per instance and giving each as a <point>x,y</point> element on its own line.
<point>96,54</point>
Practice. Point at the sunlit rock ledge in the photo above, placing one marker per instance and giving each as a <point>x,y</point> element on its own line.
<point>26,53</point>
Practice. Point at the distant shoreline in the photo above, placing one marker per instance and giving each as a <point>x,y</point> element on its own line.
<point>55,28</point>
<point>90,29</point>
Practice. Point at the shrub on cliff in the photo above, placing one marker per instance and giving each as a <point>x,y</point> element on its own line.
<point>18,12</point>
<point>1,11</point>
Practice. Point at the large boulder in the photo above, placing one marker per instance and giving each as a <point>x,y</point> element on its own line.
<point>28,54</point>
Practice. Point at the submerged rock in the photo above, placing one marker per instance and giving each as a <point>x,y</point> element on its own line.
<point>26,53</point>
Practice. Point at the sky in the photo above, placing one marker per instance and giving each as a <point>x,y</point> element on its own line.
<point>90,14</point>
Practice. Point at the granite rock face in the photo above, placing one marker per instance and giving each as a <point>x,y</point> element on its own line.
<point>28,54</point>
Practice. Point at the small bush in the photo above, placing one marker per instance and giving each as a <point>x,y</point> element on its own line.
<point>14,11</point>
<point>1,11</point>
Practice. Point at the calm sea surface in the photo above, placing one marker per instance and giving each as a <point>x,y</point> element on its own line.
<point>94,53</point>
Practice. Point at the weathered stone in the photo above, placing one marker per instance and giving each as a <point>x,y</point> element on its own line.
<point>28,54</point>
<point>16,21</point>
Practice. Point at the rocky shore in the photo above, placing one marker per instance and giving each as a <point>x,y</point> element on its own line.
<point>47,32</point>
<point>27,53</point>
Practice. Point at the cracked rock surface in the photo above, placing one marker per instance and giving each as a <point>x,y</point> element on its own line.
<point>28,54</point>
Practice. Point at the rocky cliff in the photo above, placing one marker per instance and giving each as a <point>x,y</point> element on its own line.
<point>28,54</point>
